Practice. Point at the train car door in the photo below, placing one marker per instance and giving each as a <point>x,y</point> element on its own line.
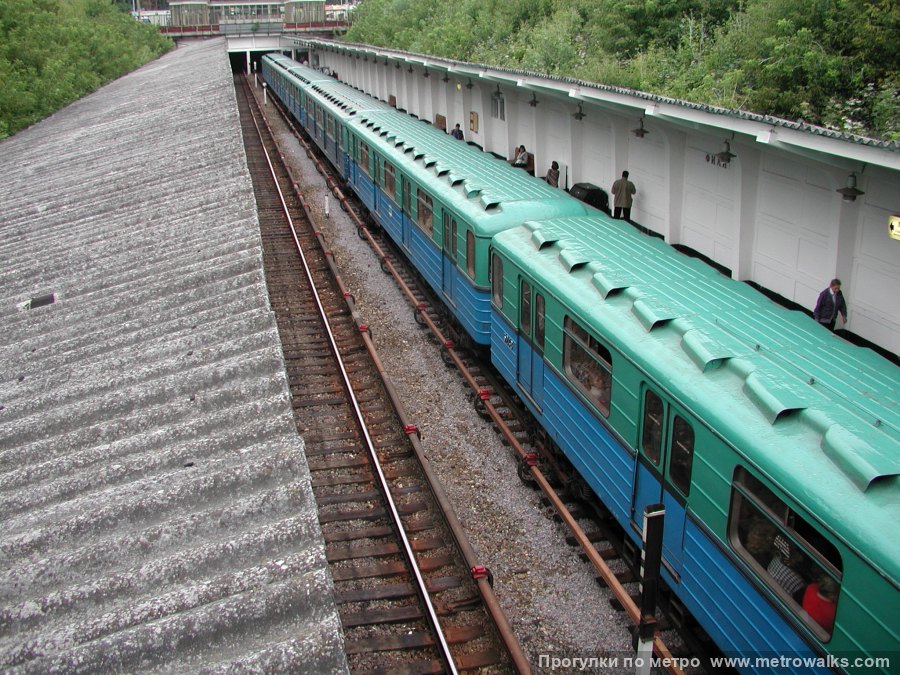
<point>663,472</point>
<point>449,259</point>
<point>530,351</point>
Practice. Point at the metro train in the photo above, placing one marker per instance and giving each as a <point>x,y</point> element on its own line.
<point>773,444</point>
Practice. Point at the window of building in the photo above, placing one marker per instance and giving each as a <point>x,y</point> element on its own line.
<point>498,106</point>
<point>789,555</point>
<point>497,280</point>
<point>425,216</point>
<point>390,185</point>
<point>588,365</point>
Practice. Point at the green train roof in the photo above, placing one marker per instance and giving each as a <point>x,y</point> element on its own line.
<point>497,195</point>
<point>817,415</point>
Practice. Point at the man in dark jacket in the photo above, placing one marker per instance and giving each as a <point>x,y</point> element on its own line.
<point>830,303</point>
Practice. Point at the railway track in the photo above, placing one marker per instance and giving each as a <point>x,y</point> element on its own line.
<point>591,528</point>
<point>409,590</point>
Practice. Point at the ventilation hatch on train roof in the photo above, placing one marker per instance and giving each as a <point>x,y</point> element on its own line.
<point>707,350</point>
<point>774,396</point>
<point>609,281</point>
<point>653,312</point>
<point>573,256</point>
<point>862,462</point>
<point>542,238</point>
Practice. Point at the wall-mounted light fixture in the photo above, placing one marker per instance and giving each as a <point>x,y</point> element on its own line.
<point>579,114</point>
<point>640,131</point>
<point>725,155</point>
<point>446,78</point>
<point>386,63</point>
<point>410,68</point>
<point>533,102</point>
<point>850,192</point>
<point>398,65</point>
<point>470,85</point>
<point>426,73</point>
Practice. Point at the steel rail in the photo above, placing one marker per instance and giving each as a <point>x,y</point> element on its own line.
<point>479,572</point>
<point>608,576</point>
<point>444,647</point>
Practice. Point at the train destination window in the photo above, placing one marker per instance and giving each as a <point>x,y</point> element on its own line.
<point>470,254</point>
<point>651,436</point>
<point>788,554</point>
<point>364,157</point>
<point>588,365</point>
<point>390,183</point>
<point>681,455</point>
<point>425,213</point>
<point>497,280</point>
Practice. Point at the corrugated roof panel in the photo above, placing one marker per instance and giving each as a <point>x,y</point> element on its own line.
<point>154,493</point>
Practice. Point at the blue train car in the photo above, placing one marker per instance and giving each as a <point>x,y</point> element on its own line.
<point>660,381</point>
<point>439,199</point>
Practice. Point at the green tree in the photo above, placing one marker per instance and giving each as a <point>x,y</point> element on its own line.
<point>53,52</point>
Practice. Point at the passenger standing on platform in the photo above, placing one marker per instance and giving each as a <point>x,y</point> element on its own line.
<point>623,191</point>
<point>830,303</point>
<point>552,176</point>
<point>457,133</point>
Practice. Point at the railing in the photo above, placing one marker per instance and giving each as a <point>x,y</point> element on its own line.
<point>255,28</point>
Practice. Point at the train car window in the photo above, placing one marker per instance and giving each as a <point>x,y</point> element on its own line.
<point>681,455</point>
<point>390,182</point>
<point>406,198</point>
<point>470,254</point>
<point>539,321</point>
<point>329,126</point>
<point>497,280</point>
<point>319,113</point>
<point>588,365</point>
<point>794,559</point>
<point>364,158</point>
<point>450,246</point>
<point>425,211</point>
<point>525,309</point>
<point>651,436</point>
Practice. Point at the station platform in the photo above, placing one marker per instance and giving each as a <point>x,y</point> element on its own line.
<point>154,495</point>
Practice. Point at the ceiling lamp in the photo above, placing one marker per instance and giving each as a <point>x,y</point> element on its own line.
<point>533,102</point>
<point>579,114</point>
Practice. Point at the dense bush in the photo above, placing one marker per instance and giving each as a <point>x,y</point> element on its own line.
<point>828,62</point>
<point>53,52</point>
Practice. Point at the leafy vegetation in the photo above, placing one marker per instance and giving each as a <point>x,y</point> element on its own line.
<point>53,52</point>
<point>829,62</point>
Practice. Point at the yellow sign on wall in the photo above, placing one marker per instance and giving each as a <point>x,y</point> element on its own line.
<point>894,227</point>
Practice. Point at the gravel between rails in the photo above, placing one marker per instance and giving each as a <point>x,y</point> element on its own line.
<point>553,603</point>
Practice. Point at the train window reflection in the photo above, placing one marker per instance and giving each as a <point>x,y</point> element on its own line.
<point>390,183</point>
<point>425,216</point>
<point>681,455</point>
<point>651,436</point>
<point>497,280</point>
<point>790,556</point>
<point>588,365</point>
